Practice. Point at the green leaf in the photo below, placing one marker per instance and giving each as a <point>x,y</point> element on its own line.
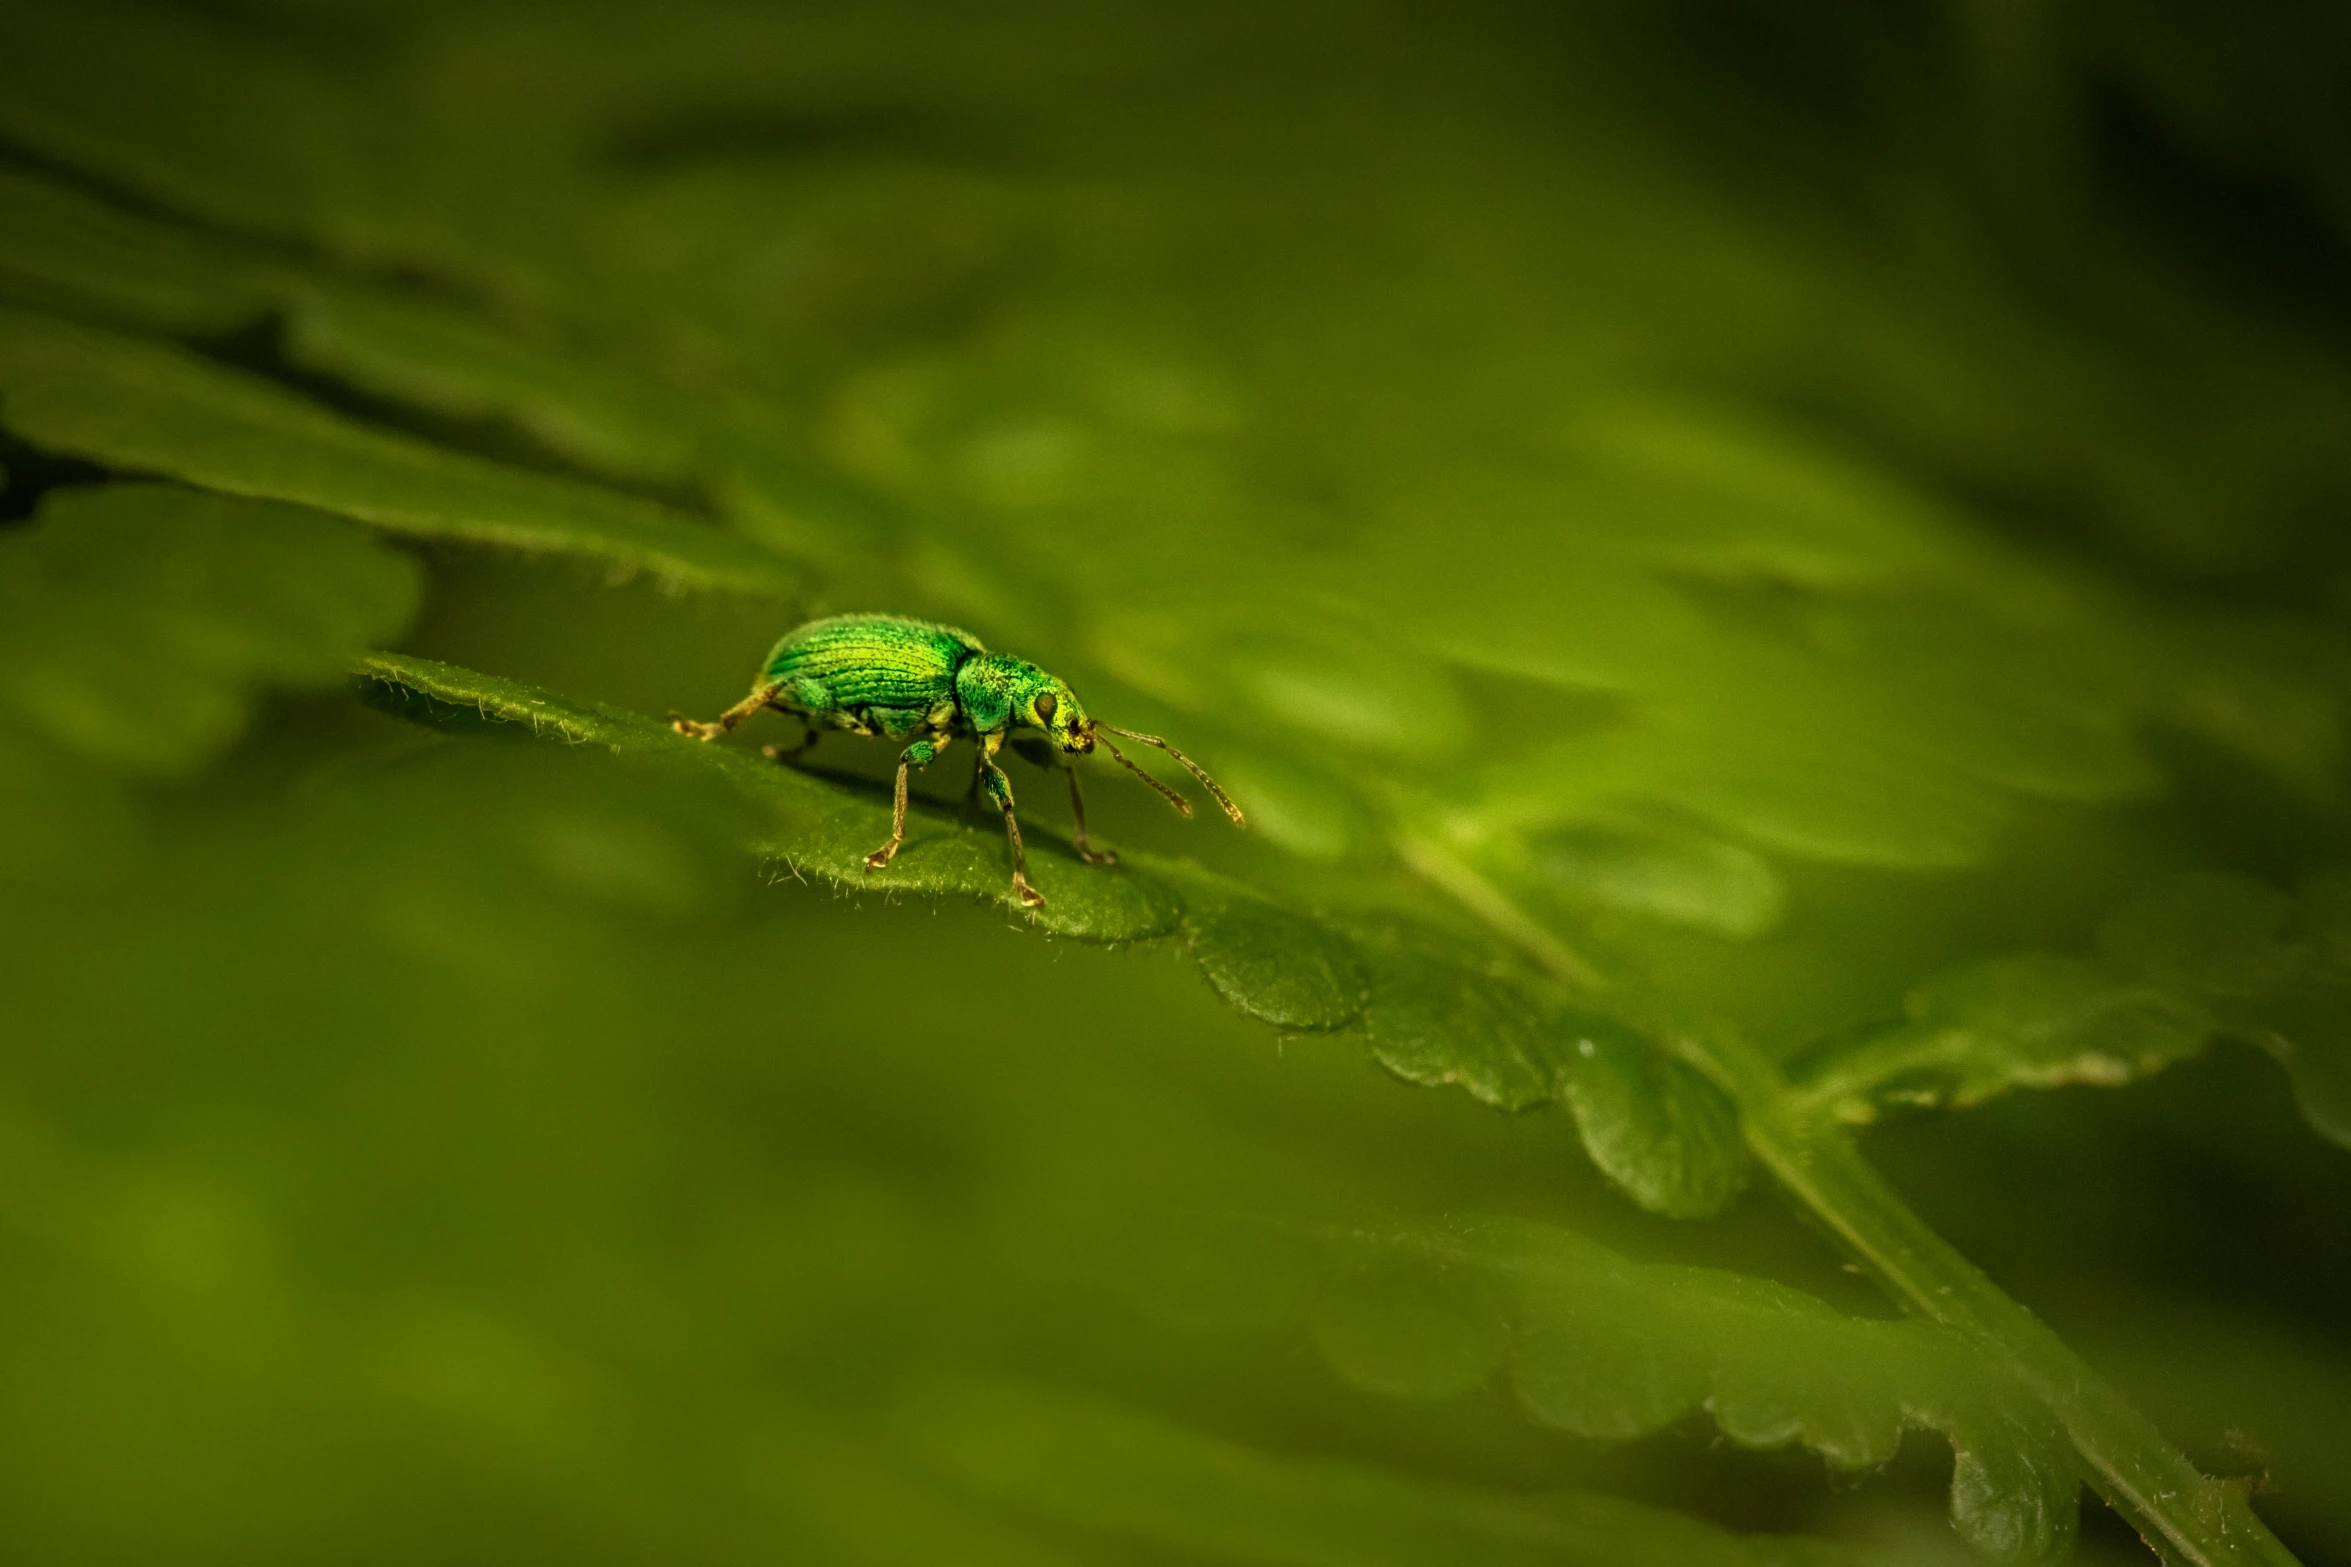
<point>1435,1020</point>
<point>2268,966</point>
<point>69,254</point>
<point>1158,1487</point>
<point>1606,1348</point>
<point>1286,970</point>
<point>171,105</point>
<point>150,408</point>
<point>2278,971</point>
<point>1615,1349</point>
<point>2196,956</point>
<point>2035,1021</point>
<point>63,250</point>
<point>140,624</point>
<point>1652,1124</point>
<point>820,830</point>
<point>1686,879</point>
<point>141,618</point>
<point>1408,1331</point>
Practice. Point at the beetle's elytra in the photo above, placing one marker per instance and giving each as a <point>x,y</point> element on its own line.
<point>925,684</point>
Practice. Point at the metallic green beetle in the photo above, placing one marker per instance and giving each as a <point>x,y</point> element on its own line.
<point>911,680</point>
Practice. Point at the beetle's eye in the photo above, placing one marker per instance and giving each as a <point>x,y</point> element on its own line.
<point>1045,706</point>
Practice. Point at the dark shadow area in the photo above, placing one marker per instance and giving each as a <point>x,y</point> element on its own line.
<point>2201,1182</point>
<point>756,132</point>
<point>27,473</point>
<point>2228,813</point>
<point>351,39</point>
<point>138,202</point>
<point>2236,230</point>
<point>260,349</point>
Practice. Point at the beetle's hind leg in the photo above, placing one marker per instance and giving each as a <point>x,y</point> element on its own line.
<point>916,755</point>
<point>971,796</point>
<point>809,735</point>
<point>726,721</point>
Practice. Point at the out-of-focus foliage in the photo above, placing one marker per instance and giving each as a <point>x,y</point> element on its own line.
<point>137,623</point>
<point>1602,1347</point>
<point>2205,955</point>
<point>147,408</point>
<point>1148,1486</point>
<point>1753,564</point>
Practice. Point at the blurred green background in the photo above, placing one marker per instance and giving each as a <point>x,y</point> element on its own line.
<point>1818,525</point>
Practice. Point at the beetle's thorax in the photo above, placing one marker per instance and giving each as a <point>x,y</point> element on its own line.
<point>989,688</point>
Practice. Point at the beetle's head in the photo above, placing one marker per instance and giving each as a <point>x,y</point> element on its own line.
<point>1054,708</point>
<point>1039,701</point>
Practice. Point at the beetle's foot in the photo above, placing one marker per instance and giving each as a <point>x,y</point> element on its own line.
<point>695,731</point>
<point>1030,897</point>
<point>881,856</point>
<point>785,755</point>
<point>1094,856</point>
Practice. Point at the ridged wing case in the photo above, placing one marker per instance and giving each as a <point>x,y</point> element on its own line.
<point>876,661</point>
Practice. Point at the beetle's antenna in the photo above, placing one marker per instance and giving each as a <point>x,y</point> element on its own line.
<point>1181,804</point>
<point>1189,766</point>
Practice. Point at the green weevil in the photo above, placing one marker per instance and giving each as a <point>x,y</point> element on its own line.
<point>911,680</point>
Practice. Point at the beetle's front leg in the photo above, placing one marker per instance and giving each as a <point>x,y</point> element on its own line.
<point>916,755</point>
<point>999,790</point>
<point>1077,811</point>
<point>1042,755</point>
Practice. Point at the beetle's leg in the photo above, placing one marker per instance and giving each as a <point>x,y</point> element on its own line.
<point>971,796</point>
<point>916,755</point>
<point>1000,794</point>
<point>809,735</point>
<point>1077,811</point>
<point>727,720</point>
<point>1034,750</point>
